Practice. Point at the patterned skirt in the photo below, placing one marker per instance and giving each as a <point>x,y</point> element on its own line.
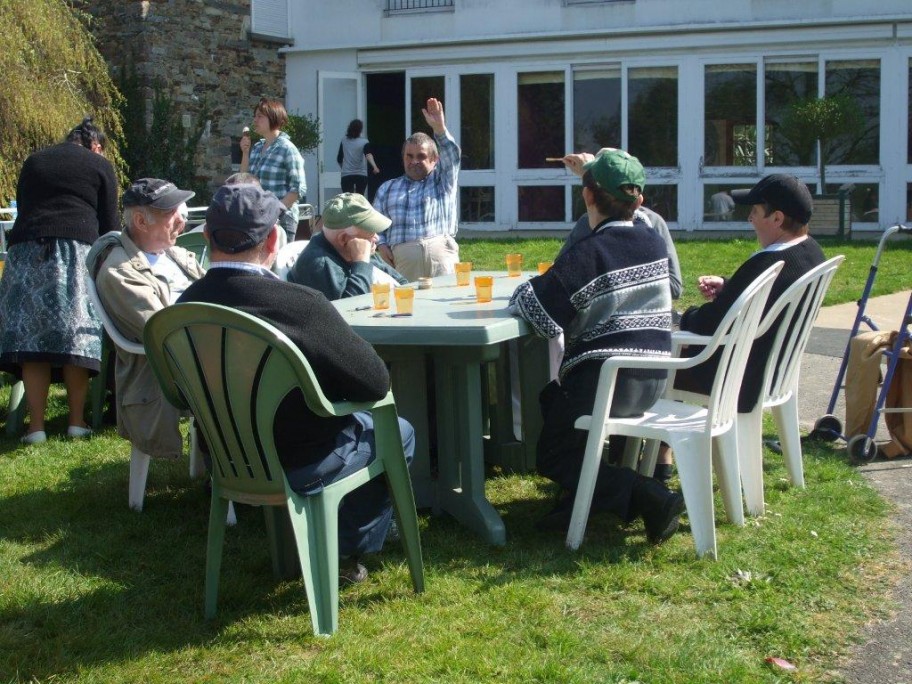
<point>45,313</point>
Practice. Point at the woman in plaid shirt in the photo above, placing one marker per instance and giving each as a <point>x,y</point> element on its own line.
<point>275,161</point>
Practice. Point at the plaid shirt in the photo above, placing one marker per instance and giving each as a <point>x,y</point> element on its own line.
<point>280,169</point>
<point>424,208</point>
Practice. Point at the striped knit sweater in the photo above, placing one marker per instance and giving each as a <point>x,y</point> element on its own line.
<point>609,294</point>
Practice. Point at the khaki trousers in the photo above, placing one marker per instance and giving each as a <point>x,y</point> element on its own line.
<point>427,257</point>
<point>861,387</point>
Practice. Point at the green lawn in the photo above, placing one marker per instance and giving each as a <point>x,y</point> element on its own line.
<point>721,257</point>
<point>92,592</point>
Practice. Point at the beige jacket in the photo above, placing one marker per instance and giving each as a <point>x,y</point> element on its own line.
<point>131,293</point>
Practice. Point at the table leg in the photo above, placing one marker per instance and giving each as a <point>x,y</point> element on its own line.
<point>534,374</point>
<point>408,376</point>
<point>460,487</point>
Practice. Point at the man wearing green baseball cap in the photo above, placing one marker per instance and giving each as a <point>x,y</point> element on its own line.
<point>342,260</point>
<point>609,295</point>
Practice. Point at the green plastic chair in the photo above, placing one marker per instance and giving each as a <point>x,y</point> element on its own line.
<point>196,243</point>
<point>232,371</point>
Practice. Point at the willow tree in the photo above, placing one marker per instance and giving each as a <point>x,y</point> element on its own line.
<point>51,76</point>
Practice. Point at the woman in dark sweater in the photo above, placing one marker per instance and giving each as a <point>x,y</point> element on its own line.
<point>67,196</point>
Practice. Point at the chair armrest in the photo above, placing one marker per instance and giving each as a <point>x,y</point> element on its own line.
<point>683,337</point>
<point>346,408</point>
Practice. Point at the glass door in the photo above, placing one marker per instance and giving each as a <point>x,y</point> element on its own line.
<point>339,100</point>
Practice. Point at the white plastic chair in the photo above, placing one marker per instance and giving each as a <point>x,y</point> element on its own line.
<point>798,306</point>
<point>690,428</point>
<point>287,257</point>
<point>139,460</point>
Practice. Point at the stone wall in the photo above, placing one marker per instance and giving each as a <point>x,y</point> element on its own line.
<point>202,53</point>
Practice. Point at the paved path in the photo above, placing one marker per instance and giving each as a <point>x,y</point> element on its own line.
<point>885,656</point>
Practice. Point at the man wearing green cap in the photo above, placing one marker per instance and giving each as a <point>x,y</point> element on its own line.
<point>608,295</point>
<point>342,261</point>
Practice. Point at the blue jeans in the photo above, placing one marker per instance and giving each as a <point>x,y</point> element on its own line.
<point>366,512</point>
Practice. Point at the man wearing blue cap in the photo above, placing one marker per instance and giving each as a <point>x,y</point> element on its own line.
<point>609,295</point>
<point>241,224</point>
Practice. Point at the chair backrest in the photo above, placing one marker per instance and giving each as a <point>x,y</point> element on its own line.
<point>195,242</point>
<point>736,333</point>
<point>232,371</point>
<point>797,309</point>
<point>287,257</point>
<point>116,337</point>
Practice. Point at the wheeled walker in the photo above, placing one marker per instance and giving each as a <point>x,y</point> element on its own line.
<point>861,447</point>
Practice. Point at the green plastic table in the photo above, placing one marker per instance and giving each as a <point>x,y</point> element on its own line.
<point>461,336</point>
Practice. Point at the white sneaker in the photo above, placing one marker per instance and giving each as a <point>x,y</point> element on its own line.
<point>36,437</point>
<point>76,432</point>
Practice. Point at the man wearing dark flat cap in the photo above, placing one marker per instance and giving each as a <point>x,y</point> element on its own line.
<point>243,232</point>
<point>781,208</point>
<point>138,272</point>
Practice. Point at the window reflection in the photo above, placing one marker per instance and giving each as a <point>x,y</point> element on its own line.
<point>652,96</point>
<point>423,88</point>
<point>785,84</point>
<point>718,204</point>
<point>477,127</point>
<point>730,93</point>
<point>476,205</point>
<point>863,200</point>
<point>860,80</point>
<point>596,109</point>
<point>540,111</point>
<point>662,199</point>
<point>541,203</point>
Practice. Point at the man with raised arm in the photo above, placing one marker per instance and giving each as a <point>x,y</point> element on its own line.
<point>422,202</point>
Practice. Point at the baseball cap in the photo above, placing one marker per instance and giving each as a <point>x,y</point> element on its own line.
<point>352,209</point>
<point>155,192</point>
<point>612,169</point>
<point>782,192</point>
<point>246,212</point>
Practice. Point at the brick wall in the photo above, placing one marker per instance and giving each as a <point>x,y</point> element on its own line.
<point>202,52</point>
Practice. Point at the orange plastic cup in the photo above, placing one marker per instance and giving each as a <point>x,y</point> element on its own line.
<point>543,266</point>
<point>463,272</point>
<point>405,300</point>
<point>381,292</point>
<point>514,265</point>
<point>484,286</point>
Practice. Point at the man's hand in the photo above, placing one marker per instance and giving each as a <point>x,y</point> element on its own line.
<point>359,249</point>
<point>710,286</point>
<point>387,254</point>
<point>575,162</point>
<point>433,114</point>
<point>245,143</point>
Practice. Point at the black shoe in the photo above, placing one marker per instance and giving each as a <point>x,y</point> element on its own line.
<point>659,508</point>
<point>351,571</point>
<point>663,472</point>
<point>558,518</point>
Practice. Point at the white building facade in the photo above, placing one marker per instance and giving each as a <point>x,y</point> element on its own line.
<point>707,94</point>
